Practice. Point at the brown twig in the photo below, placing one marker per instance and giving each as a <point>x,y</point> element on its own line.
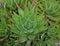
<point>5,5</point>
<point>17,5</point>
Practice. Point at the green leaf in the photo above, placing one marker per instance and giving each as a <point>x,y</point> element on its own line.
<point>22,38</point>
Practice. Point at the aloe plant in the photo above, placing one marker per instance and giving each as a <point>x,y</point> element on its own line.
<point>29,23</point>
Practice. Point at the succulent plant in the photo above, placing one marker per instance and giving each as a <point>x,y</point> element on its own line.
<point>29,22</point>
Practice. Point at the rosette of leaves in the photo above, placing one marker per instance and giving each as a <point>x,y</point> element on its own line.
<point>51,12</point>
<point>54,14</point>
<point>50,9</point>
<point>27,24</point>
